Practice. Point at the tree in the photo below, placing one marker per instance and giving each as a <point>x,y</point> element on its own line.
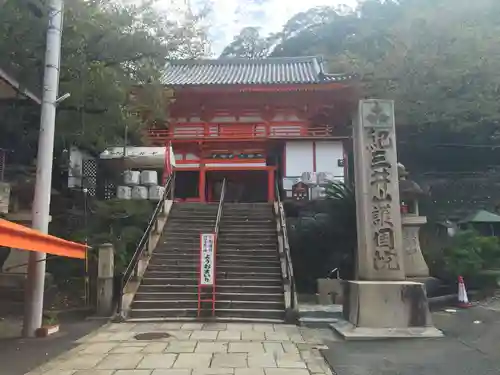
<point>108,50</point>
<point>318,31</point>
<point>248,44</point>
<point>438,59</point>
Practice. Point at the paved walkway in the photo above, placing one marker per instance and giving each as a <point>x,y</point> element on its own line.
<point>471,346</point>
<point>20,355</point>
<point>195,349</point>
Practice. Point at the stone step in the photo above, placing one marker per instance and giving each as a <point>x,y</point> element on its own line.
<point>165,251</point>
<point>248,252</point>
<point>235,247</point>
<point>172,229</point>
<point>253,289</point>
<point>178,240</point>
<point>247,209</point>
<point>264,230</point>
<point>163,313</point>
<point>245,262</point>
<point>220,274</point>
<point>220,282</point>
<point>196,210</point>
<point>244,236</point>
<point>220,250</point>
<point>248,204</point>
<point>167,281</point>
<point>236,256</point>
<point>159,260</point>
<point>197,218</point>
<point>181,236</point>
<point>198,215</point>
<point>248,227</point>
<point>227,256</point>
<point>231,217</point>
<point>274,268</point>
<point>219,304</point>
<point>247,246</point>
<point>219,296</point>
<point>241,219</point>
<point>245,219</point>
<point>196,206</point>
<point>202,217</point>
<point>278,314</point>
<point>230,314</point>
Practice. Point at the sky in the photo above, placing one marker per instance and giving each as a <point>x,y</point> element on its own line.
<point>228,17</point>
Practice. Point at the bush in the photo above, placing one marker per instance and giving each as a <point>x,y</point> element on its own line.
<point>470,253</point>
<point>322,236</point>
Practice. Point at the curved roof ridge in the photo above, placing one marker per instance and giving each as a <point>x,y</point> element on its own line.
<point>243,71</point>
<point>244,60</point>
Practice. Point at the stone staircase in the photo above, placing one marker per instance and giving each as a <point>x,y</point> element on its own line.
<point>249,282</point>
<point>250,286</point>
<point>169,287</point>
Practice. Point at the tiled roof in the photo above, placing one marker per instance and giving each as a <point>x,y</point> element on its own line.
<point>271,71</point>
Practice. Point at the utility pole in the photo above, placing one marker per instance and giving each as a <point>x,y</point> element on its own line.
<point>41,202</point>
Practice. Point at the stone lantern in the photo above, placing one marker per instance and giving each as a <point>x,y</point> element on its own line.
<point>411,220</point>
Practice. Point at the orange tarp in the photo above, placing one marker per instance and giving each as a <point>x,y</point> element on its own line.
<point>21,237</point>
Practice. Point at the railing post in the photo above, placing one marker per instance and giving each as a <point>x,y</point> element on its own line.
<point>105,274</point>
<point>172,186</point>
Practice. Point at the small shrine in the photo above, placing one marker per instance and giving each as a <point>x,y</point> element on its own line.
<point>411,220</point>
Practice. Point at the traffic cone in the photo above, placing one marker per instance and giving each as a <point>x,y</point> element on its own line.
<point>463,300</point>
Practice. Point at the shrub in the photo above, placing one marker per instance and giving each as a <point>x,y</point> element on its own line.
<point>322,236</point>
<point>470,253</point>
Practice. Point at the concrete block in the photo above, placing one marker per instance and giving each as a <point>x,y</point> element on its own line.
<point>124,192</point>
<point>131,177</point>
<point>382,309</point>
<point>330,291</point>
<point>149,178</point>
<point>105,282</point>
<point>139,192</point>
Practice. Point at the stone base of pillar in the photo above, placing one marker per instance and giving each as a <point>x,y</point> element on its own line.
<point>385,309</point>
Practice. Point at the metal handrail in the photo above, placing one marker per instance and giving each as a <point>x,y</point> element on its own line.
<point>286,250</point>
<point>132,268</point>
<point>219,210</point>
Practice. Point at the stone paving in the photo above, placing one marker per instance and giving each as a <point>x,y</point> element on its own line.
<point>196,349</point>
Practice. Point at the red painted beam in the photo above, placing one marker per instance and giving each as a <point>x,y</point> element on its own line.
<point>20,237</point>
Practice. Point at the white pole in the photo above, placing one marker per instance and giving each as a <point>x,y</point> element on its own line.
<point>41,202</point>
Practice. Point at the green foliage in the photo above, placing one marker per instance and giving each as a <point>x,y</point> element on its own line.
<point>248,44</point>
<point>490,251</point>
<point>119,222</point>
<point>437,58</point>
<point>341,203</point>
<point>322,236</point>
<point>108,48</point>
<point>470,253</point>
<point>49,318</point>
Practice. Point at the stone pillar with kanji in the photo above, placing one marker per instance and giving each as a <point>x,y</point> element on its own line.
<point>380,302</point>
